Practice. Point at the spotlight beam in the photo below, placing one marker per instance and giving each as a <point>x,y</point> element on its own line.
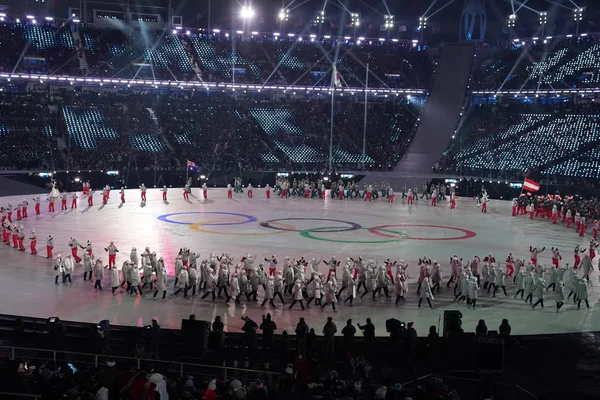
<point>560,5</point>
<point>387,8</point>
<point>512,5</point>
<point>372,8</point>
<point>287,53</point>
<point>440,9</point>
<point>292,9</point>
<point>341,5</point>
<point>430,6</point>
<point>522,5</point>
<point>307,71</point>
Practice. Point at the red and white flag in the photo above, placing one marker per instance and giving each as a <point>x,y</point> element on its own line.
<point>530,185</point>
<point>337,81</point>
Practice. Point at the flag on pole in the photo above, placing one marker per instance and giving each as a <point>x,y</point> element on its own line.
<point>337,82</point>
<point>530,185</point>
<point>192,166</point>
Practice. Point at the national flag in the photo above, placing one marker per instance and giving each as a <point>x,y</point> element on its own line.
<point>530,185</point>
<point>337,81</point>
<point>192,166</point>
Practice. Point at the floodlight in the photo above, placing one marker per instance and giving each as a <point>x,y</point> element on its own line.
<point>578,14</point>
<point>543,17</point>
<point>422,23</point>
<point>355,18</point>
<point>511,20</point>
<point>247,13</point>
<point>320,17</point>
<point>388,21</point>
<point>284,15</point>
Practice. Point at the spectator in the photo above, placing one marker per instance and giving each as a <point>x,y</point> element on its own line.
<point>311,341</point>
<point>249,328</point>
<point>152,340</point>
<point>301,332</point>
<point>188,391</point>
<point>349,331</point>
<point>209,393</point>
<point>481,328</point>
<point>218,331</point>
<point>259,391</point>
<point>192,317</point>
<point>368,330</point>
<point>504,329</point>
<point>268,328</point>
<point>329,331</point>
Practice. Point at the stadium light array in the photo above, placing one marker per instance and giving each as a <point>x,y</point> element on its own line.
<point>355,18</point>
<point>422,23</point>
<point>284,15</point>
<point>511,20</point>
<point>388,21</point>
<point>320,17</point>
<point>578,14</point>
<point>543,17</point>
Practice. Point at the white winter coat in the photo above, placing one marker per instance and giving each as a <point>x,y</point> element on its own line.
<point>269,287</point>
<point>559,292</point>
<point>298,291</point>
<point>330,294</point>
<point>161,281</point>
<point>59,269</point>
<point>184,280</point>
<point>69,265</point>
<point>114,277</point>
<point>98,270</point>
<point>134,275</point>
<point>473,289</point>
<point>426,291</point>
<point>400,286</point>
<point>193,276</point>
<point>234,286</point>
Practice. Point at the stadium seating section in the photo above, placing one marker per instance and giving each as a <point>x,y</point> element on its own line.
<point>108,130</point>
<point>556,64</point>
<point>508,139</point>
<point>130,53</point>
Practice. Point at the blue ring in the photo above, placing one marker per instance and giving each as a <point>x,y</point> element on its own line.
<point>165,218</point>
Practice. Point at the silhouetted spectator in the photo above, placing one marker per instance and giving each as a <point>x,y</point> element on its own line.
<point>481,328</point>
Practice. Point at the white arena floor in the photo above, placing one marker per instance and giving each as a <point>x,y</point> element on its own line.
<point>309,228</point>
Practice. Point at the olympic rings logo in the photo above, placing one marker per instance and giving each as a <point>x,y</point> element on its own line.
<point>278,226</point>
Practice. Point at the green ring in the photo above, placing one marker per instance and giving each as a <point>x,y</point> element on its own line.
<point>307,233</point>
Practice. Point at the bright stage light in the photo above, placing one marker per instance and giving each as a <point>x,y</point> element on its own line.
<point>388,21</point>
<point>247,13</point>
<point>511,20</point>
<point>320,17</point>
<point>283,15</point>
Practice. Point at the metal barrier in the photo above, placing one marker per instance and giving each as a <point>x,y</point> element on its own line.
<point>18,396</point>
<point>473,388</point>
<point>175,367</point>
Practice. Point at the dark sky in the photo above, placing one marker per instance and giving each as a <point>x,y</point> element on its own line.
<point>225,12</point>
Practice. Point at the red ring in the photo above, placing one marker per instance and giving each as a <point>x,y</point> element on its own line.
<point>467,233</point>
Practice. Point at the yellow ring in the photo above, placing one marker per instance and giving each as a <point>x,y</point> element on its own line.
<point>196,227</point>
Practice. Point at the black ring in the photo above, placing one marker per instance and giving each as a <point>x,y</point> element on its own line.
<point>353,226</point>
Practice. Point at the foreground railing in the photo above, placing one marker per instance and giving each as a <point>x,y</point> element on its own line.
<point>174,367</point>
<point>474,388</point>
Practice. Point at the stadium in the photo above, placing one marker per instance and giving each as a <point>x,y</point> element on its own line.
<point>431,168</point>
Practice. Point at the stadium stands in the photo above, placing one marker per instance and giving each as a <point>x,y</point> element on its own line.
<point>139,54</point>
<point>505,140</point>
<point>546,64</point>
<point>107,130</point>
